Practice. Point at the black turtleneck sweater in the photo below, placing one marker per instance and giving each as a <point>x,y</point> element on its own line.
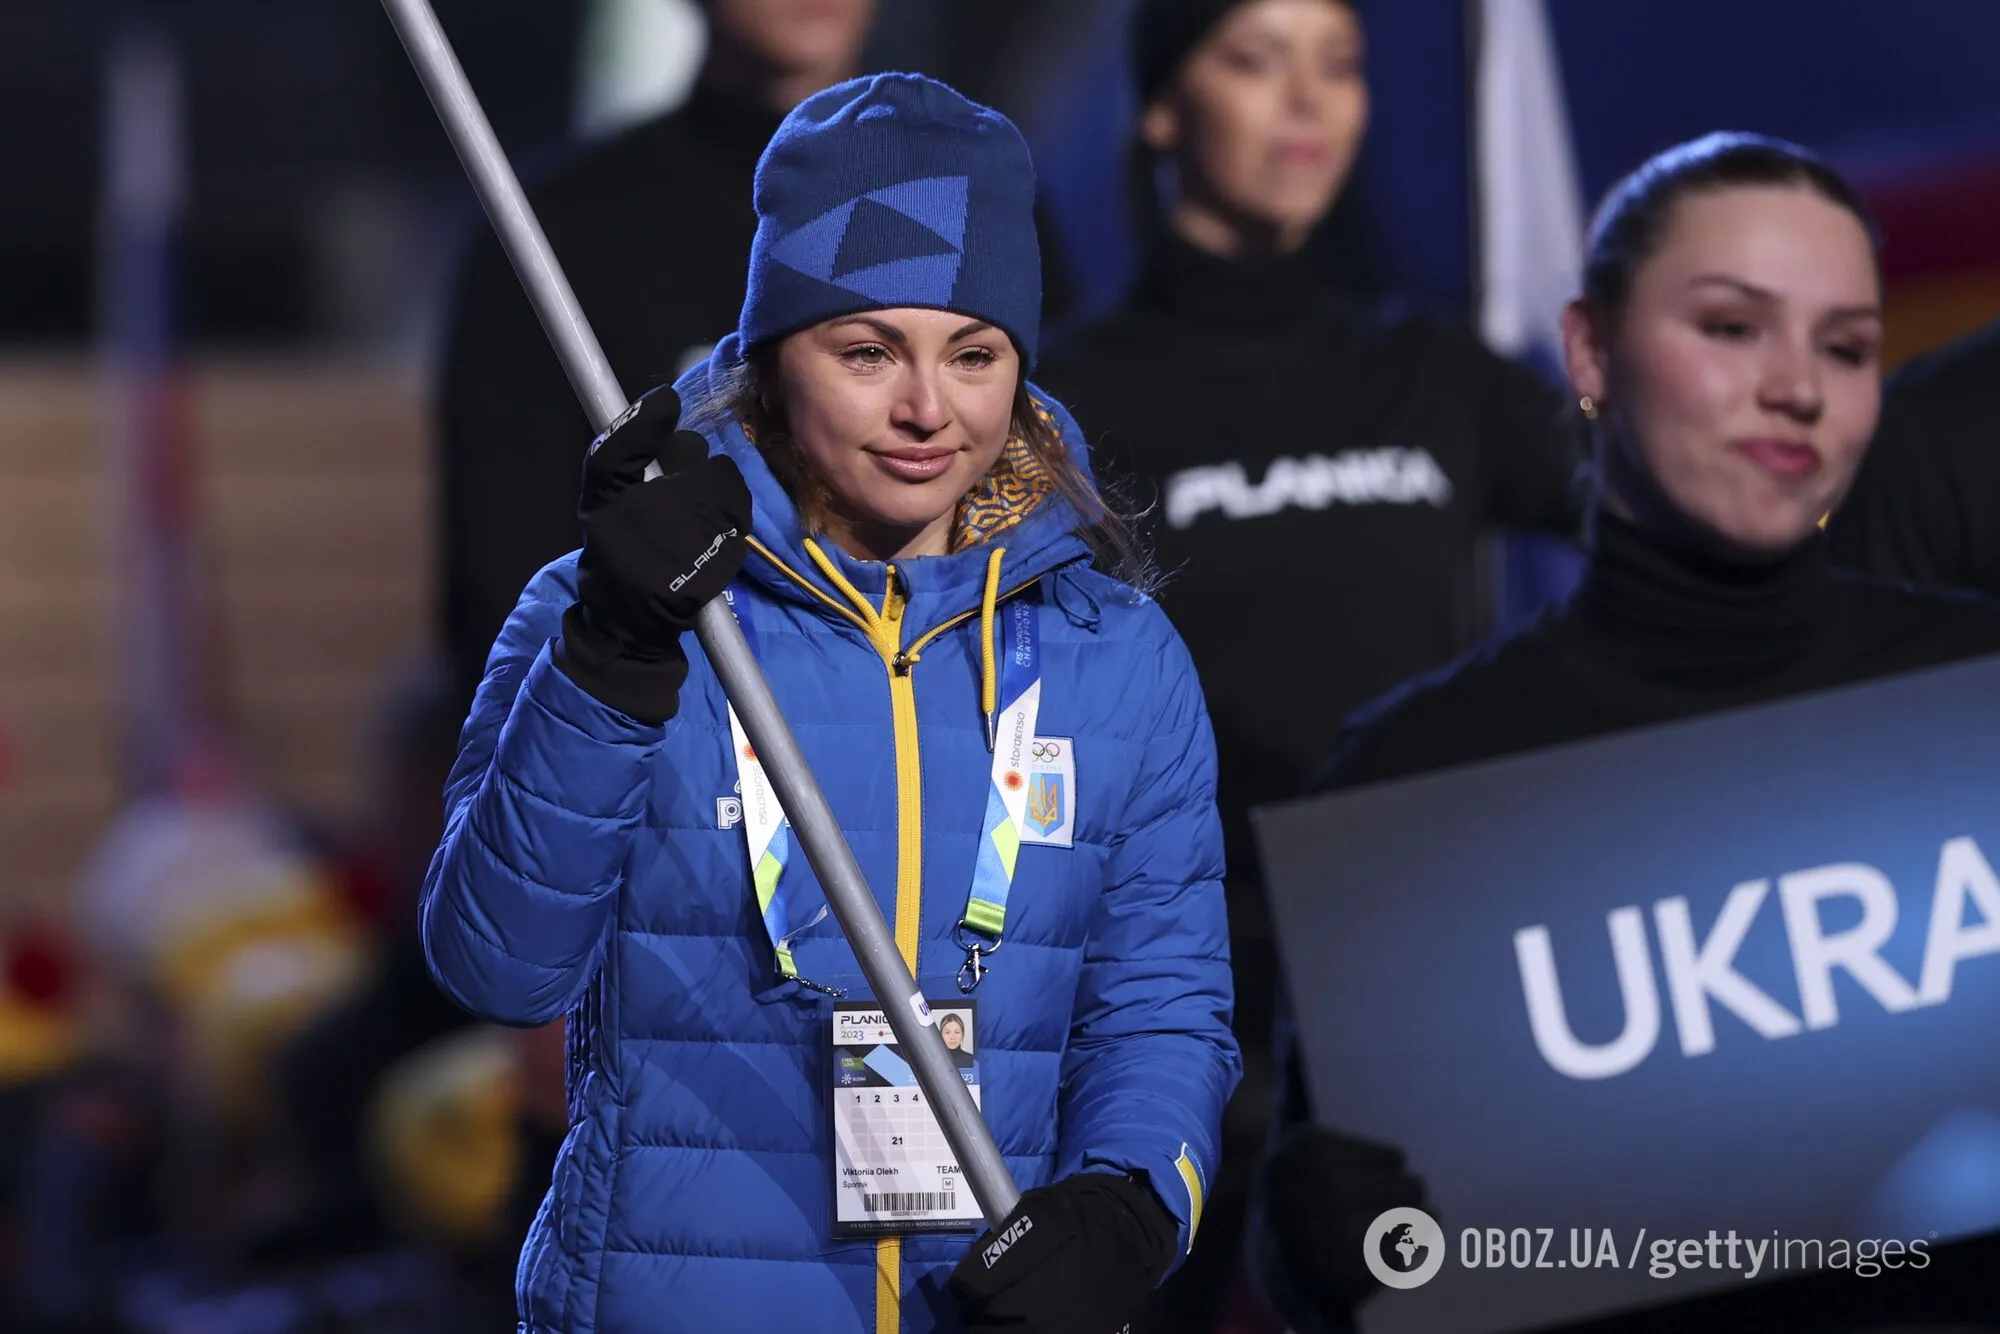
<point>1926,506</point>
<point>653,227</point>
<point>1653,635</point>
<point>1323,476</point>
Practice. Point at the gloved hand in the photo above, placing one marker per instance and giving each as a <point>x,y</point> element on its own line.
<point>1077,1257</point>
<point>1318,1191</point>
<point>654,553</point>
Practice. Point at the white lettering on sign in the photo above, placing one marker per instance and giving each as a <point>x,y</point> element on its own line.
<point>1701,972</point>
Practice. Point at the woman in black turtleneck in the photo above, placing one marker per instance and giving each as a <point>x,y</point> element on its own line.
<point>1732,393</point>
<point>1725,353</point>
<point>1323,474</point>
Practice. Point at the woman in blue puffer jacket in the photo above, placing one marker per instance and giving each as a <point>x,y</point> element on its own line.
<point>909,534</point>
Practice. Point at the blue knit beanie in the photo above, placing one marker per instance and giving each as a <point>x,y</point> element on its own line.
<point>893,190</point>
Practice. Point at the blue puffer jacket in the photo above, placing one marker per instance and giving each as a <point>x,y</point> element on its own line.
<point>585,871</point>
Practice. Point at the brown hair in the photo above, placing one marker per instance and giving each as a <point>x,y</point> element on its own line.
<point>1632,222</point>
<point>742,395</point>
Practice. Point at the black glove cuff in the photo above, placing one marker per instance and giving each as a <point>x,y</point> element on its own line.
<point>1157,1231</point>
<point>645,687</point>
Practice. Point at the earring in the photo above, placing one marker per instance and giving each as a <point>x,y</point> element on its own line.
<point>1588,407</point>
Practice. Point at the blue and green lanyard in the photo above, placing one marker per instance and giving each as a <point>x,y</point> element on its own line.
<point>1010,736</point>
<point>766,830</point>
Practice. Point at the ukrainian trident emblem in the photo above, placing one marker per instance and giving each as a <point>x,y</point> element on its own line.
<point>1045,803</point>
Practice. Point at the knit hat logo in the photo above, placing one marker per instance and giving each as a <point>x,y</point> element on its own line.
<point>903,242</point>
<point>893,191</point>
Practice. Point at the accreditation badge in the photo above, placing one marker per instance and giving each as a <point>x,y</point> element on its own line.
<point>893,1172</point>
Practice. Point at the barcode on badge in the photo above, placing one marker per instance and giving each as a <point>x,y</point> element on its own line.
<point>910,1202</point>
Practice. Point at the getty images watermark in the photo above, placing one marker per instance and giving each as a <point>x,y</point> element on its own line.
<point>1405,1248</point>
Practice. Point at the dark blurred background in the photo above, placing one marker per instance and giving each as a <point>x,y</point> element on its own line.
<point>323,201</point>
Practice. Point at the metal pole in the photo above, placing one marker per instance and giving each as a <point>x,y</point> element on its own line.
<point>847,892</point>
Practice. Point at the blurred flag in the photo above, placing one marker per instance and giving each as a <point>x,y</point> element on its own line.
<point>150,453</point>
<point>1530,229</point>
<point>1530,203</point>
<point>197,895</point>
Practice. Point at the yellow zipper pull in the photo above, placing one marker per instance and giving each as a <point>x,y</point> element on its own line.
<point>893,602</point>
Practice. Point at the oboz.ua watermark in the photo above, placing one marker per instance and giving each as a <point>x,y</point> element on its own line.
<point>1406,1248</point>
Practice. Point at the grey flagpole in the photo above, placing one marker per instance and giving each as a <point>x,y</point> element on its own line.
<point>847,892</point>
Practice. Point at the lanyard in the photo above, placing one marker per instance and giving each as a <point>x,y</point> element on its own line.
<point>765,828</point>
<point>1010,733</point>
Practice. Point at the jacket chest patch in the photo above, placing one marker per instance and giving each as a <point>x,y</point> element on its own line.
<point>1050,819</point>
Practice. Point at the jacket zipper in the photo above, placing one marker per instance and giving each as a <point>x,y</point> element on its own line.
<point>886,637</point>
<point>909,880</point>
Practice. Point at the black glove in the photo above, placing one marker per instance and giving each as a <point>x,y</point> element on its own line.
<point>1318,1193</point>
<point>1077,1257</point>
<point>654,554</point>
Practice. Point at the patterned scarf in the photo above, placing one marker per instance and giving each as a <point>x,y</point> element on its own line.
<point>1008,493</point>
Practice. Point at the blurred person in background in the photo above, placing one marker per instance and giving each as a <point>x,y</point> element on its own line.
<point>207,934</point>
<point>327,1074</point>
<point>364,1149</point>
<point>915,498</point>
<point>1725,352</point>
<point>458,1147</point>
<point>653,229</point>
<point>1325,473</point>
<point>412,1122</point>
<point>1926,507</point>
<point>403,1133</point>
